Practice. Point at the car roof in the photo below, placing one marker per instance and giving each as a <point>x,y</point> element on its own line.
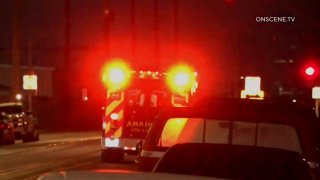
<point>233,161</point>
<point>10,104</point>
<point>302,118</point>
<point>273,111</point>
<point>116,175</point>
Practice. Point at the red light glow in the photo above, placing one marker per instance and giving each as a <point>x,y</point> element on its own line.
<point>123,171</point>
<point>310,71</point>
<point>180,78</point>
<point>181,130</point>
<point>116,75</point>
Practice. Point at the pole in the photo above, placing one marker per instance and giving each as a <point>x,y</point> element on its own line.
<point>67,41</point>
<point>107,21</point>
<point>30,57</point>
<point>317,107</point>
<point>31,73</point>
<point>67,81</point>
<point>156,33</point>
<point>133,34</point>
<point>176,28</point>
<point>15,51</point>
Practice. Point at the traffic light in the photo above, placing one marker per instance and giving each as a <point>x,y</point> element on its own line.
<point>310,71</point>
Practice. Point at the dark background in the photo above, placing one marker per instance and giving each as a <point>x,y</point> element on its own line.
<point>220,38</point>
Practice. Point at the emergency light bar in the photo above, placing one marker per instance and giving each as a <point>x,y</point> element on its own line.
<point>149,75</point>
<point>180,79</point>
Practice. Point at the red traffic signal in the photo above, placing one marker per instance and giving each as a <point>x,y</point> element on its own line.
<point>310,71</point>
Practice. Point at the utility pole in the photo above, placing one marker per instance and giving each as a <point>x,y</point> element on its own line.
<point>67,78</point>
<point>156,34</point>
<point>67,40</point>
<point>31,72</point>
<point>30,57</point>
<point>133,34</point>
<point>176,28</point>
<point>107,22</point>
<point>15,51</point>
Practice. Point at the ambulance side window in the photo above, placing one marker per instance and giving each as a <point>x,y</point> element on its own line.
<point>157,99</point>
<point>136,98</point>
<point>154,100</point>
<point>141,99</point>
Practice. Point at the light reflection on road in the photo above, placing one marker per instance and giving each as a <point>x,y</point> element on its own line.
<point>54,153</point>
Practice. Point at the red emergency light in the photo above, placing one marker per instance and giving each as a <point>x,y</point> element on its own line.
<point>116,75</point>
<point>181,78</point>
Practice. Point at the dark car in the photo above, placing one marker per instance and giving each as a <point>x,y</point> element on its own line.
<point>24,124</point>
<point>267,123</point>
<point>117,174</point>
<point>6,131</point>
<point>233,162</point>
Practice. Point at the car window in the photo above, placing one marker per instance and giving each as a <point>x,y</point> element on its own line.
<point>217,132</point>
<point>181,130</point>
<point>11,109</point>
<point>278,136</point>
<point>197,130</point>
<point>139,98</point>
<point>233,162</point>
<point>244,133</point>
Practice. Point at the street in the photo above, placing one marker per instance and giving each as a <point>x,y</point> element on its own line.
<point>54,152</point>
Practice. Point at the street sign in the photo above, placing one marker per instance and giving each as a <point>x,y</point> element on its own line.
<point>30,82</point>
<point>252,88</point>
<point>316,92</point>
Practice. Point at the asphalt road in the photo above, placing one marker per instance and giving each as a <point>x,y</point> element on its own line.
<point>55,152</point>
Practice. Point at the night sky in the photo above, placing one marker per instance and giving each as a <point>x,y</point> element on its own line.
<point>221,38</point>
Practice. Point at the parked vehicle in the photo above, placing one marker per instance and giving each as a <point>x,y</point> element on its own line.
<point>233,162</point>
<point>24,124</point>
<point>273,124</point>
<point>6,130</point>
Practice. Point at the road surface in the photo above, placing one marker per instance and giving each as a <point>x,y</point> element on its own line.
<point>55,152</point>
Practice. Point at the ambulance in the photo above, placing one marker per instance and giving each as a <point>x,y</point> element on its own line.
<point>134,98</point>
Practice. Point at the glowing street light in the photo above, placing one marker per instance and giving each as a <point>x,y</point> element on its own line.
<point>18,97</point>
